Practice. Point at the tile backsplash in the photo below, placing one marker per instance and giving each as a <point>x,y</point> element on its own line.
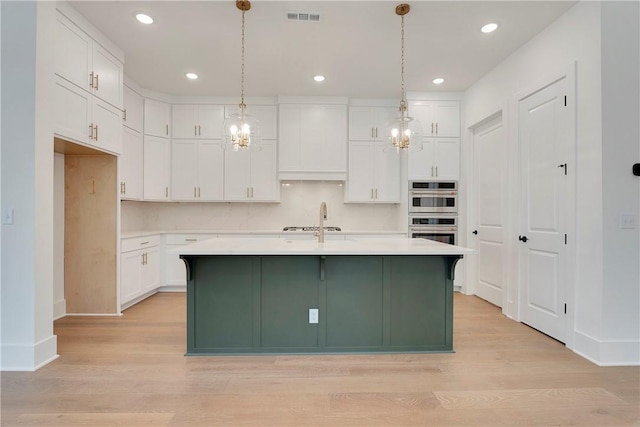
<point>299,206</point>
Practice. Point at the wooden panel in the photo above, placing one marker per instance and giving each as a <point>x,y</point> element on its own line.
<point>354,301</point>
<point>90,234</point>
<point>418,301</point>
<point>289,288</point>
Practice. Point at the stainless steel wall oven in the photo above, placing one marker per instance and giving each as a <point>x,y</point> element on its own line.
<point>433,209</point>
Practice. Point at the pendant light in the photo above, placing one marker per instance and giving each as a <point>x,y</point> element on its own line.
<point>241,131</point>
<point>404,132</point>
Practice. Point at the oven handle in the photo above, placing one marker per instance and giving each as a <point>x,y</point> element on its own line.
<point>441,193</point>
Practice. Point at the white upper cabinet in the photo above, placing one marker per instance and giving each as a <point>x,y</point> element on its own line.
<point>312,141</point>
<point>157,116</point>
<point>83,118</point>
<point>133,113</point>
<point>439,160</point>
<point>251,175</point>
<point>197,121</point>
<point>197,170</point>
<point>157,163</point>
<point>374,174</point>
<point>130,163</point>
<point>439,119</point>
<point>369,123</point>
<point>85,63</point>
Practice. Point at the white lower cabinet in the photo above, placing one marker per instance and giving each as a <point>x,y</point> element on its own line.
<point>175,272</point>
<point>139,268</point>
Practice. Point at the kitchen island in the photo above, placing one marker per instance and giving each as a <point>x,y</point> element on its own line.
<point>371,295</point>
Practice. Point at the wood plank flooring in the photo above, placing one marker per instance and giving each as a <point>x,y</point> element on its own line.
<point>131,371</point>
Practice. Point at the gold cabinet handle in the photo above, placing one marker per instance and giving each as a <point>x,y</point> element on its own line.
<point>252,192</point>
<point>194,192</point>
<point>247,192</point>
<point>432,171</point>
<point>121,191</point>
<point>198,192</point>
<point>436,171</point>
<point>125,187</point>
<point>91,79</point>
<point>195,130</point>
<point>91,131</point>
<point>167,129</point>
<point>124,114</point>
<point>96,86</point>
<point>376,194</point>
<point>436,128</point>
<point>166,191</point>
<point>96,130</point>
<point>199,131</point>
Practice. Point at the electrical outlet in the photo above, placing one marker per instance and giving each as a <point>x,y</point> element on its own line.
<point>313,315</point>
<point>7,216</point>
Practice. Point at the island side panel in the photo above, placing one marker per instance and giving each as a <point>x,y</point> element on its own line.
<point>289,288</point>
<point>419,303</point>
<point>354,303</point>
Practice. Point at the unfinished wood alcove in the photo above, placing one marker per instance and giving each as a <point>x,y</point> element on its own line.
<point>90,229</point>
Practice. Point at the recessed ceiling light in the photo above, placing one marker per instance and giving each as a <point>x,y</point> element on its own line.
<point>319,78</point>
<point>489,28</point>
<point>191,76</point>
<point>145,19</point>
<point>438,81</point>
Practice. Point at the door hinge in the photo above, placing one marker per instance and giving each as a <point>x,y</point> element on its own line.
<point>565,238</point>
<point>565,309</point>
<point>565,100</point>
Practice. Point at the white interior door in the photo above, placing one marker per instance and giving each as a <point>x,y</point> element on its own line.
<point>489,169</point>
<point>544,132</point>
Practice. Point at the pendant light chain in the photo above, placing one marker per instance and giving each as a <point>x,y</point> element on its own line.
<point>242,104</point>
<point>403,103</point>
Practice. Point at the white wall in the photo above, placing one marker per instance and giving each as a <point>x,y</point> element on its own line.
<point>620,136</point>
<point>576,37</point>
<point>27,167</point>
<point>299,206</point>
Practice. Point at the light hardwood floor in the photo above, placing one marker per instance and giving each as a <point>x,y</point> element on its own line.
<point>131,371</point>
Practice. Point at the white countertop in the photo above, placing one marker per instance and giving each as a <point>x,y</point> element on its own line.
<point>142,233</point>
<point>283,246</point>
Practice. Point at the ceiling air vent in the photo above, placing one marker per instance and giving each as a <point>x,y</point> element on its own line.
<point>303,16</point>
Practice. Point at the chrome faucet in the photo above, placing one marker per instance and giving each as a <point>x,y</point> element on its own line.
<point>323,216</point>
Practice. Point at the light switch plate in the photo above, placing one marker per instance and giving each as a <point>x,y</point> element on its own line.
<point>313,315</point>
<point>627,221</point>
<point>7,216</point>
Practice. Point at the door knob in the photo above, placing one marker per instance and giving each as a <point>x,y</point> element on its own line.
<point>474,232</point>
<point>523,238</point>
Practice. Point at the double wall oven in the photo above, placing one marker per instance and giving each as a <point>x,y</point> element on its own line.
<point>433,210</point>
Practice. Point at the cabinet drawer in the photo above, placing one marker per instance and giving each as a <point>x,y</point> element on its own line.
<point>185,239</point>
<point>137,243</point>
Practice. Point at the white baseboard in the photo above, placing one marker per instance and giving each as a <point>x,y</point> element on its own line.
<point>59,309</point>
<point>173,288</point>
<point>607,353</point>
<point>29,358</point>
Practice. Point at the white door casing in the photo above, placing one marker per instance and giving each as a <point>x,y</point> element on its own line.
<point>489,222</point>
<point>546,137</point>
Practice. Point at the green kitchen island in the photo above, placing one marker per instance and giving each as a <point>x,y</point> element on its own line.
<point>279,296</point>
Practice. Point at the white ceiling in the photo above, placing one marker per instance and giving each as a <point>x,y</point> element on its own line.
<point>356,44</point>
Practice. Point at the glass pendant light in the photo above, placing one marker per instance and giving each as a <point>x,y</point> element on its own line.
<point>241,131</point>
<point>404,132</point>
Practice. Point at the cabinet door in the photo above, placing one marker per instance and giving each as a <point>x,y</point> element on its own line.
<point>360,185</point>
<point>156,118</point>
<point>323,142</point>
<point>107,73</point>
<point>130,267</point>
<point>264,179</point>
<point>185,121</point>
<point>361,124</point>
<point>447,119</point>
<point>71,113</point>
<point>210,118</point>
<point>382,116</point>
<point>131,165</point>
<point>184,167</point>
<point>447,159</point>
<point>267,116</point>
<point>108,126</point>
<point>210,166</point>
<point>237,175</point>
<point>290,128</point>
<point>150,273</point>
<point>156,162</point>
<point>423,111</point>
<point>386,173</point>
<point>175,271</point>
<point>133,109</point>
<point>72,53</point>
<point>420,163</point>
